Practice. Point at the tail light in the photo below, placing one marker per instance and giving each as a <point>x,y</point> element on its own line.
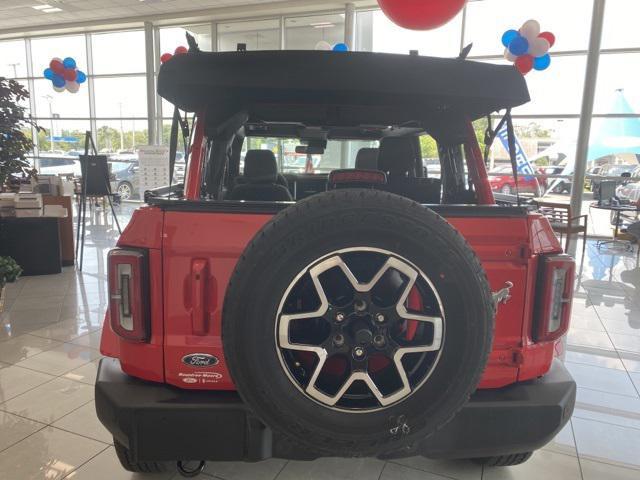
<point>353,176</point>
<point>129,294</point>
<point>553,298</point>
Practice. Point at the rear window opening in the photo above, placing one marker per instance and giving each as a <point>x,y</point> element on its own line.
<point>255,168</point>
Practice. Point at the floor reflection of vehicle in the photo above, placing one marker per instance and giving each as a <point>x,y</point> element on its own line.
<point>502,180</point>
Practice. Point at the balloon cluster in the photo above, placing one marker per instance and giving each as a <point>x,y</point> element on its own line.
<point>168,56</point>
<point>528,48</point>
<point>338,47</point>
<point>64,74</point>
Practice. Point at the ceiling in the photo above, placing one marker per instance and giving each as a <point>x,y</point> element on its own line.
<point>20,15</point>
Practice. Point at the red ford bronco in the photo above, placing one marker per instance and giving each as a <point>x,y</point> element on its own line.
<point>364,309</point>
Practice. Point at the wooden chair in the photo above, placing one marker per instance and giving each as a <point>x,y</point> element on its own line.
<point>563,222</point>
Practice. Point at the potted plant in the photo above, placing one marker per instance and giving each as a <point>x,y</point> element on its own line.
<point>9,272</point>
<point>15,125</point>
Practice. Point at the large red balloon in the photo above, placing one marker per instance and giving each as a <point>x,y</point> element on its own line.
<point>421,14</point>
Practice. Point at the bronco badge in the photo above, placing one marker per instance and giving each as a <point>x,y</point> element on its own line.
<point>200,360</point>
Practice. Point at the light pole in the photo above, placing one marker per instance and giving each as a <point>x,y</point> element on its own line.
<point>121,128</point>
<point>15,71</point>
<point>49,99</point>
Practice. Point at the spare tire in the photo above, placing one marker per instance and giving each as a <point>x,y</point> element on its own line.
<point>357,322</point>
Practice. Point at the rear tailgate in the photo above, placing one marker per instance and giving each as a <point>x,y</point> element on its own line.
<point>201,245</point>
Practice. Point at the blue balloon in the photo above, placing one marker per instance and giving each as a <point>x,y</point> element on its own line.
<point>542,63</point>
<point>340,47</point>
<point>509,36</point>
<point>69,63</point>
<point>58,81</point>
<point>48,73</point>
<point>519,46</point>
<point>81,77</point>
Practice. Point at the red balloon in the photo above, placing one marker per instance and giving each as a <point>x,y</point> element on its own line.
<point>524,64</point>
<point>70,74</point>
<point>549,37</point>
<point>165,57</point>
<point>56,66</point>
<point>421,14</point>
<point>180,51</point>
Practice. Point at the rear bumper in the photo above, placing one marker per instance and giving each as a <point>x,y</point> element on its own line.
<point>163,423</point>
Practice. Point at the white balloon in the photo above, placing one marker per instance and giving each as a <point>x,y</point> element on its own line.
<point>58,89</point>
<point>539,47</point>
<point>73,87</point>
<point>322,45</point>
<point>530,30</point>
<point>510,56</point>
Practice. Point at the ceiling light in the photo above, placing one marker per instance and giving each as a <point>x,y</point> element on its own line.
<point>41,7</point>
<point>321,24</point>
<point>328,25</point>
<point>52,10</point>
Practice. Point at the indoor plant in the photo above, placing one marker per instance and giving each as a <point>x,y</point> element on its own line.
<point>15,144</point>
<point>9,272</point>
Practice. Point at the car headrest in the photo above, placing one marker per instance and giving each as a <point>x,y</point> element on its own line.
<point>397,156</point>
<point>367,159</point>
<point>260,166</point>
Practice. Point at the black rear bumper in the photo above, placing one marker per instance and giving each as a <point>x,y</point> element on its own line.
<point>163,423</point>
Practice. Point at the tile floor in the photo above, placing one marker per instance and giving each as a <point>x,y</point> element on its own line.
<point>49,337</point>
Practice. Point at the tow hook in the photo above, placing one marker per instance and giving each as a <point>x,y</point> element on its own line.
<point>182,470</point>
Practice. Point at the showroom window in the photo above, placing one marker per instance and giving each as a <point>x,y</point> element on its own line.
<point>256,35</point>
<point>108,48</point>
<point>174,37</point>
<point>14,59</point>
<point>620,26</point>
<point>376,33</point>
<point>304,33</point>
<point>569,20</point>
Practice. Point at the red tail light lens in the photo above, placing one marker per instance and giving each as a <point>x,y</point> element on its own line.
<point>553,299</point>
<point>129,294</point>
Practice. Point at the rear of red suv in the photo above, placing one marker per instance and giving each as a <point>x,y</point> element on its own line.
<point>370,312</point>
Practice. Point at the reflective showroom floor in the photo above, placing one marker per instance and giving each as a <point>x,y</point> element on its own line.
<point>49,340</point>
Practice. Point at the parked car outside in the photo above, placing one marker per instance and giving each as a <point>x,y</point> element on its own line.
<point>63,165</point>
<point>611,171</point>
<point>501,180</point>
<point>125,180</point>
<point>563,185</point>
<point>588,184</point>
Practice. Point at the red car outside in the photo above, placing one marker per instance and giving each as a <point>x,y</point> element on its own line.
<point>502,180</point>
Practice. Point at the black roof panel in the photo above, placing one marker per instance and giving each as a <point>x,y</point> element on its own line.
<point>414,88</point>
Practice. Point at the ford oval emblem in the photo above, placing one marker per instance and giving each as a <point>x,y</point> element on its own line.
<point>200,360</point>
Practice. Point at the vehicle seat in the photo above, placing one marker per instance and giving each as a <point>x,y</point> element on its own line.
<point>260,179</point>
<point>281,180</point>
<point>367,159</point>
<point>397,158</point>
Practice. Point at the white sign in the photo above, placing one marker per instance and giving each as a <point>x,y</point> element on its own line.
<point>154,167</point>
